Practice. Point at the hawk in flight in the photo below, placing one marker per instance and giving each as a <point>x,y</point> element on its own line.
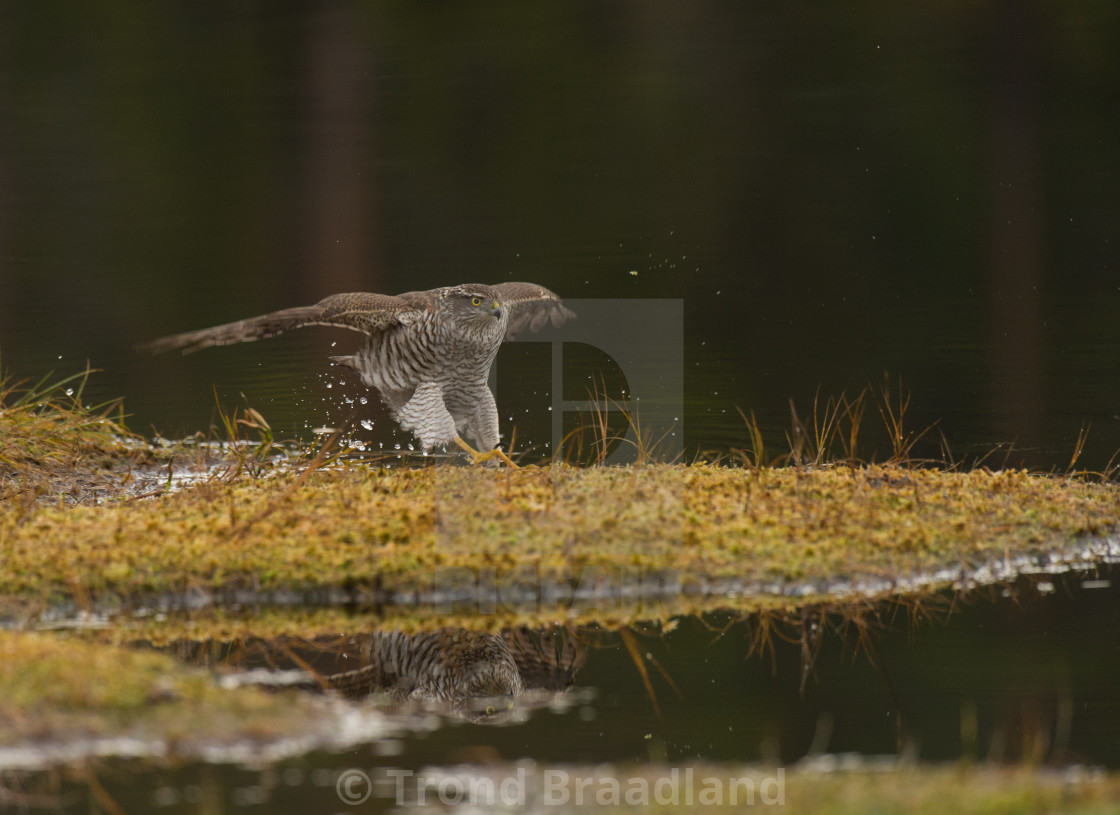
<point>428,353</point>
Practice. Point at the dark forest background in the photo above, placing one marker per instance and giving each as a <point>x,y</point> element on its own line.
<point>834,191</point>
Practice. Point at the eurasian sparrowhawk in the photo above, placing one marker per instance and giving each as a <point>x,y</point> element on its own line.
<point>428,353</point>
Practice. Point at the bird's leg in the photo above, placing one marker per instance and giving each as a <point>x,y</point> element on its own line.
<point>478,457</point>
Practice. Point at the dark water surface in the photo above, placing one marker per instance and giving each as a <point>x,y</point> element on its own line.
<point>1021,673</point>
<point>830,193</point>
<point>1030,665</point>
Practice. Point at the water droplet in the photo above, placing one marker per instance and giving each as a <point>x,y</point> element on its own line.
<point>367,424</point>
<point>363,400</point>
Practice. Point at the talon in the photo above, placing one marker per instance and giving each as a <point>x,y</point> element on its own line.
<point>479,458</point>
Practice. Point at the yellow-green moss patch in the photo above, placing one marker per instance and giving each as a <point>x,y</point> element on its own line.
<point>918,790</point>
<point>56,687</point>
<point>370,529</point>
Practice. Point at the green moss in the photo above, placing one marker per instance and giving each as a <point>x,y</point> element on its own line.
<point>370,531</point>
<point>55,686</point>
<point>53,448</point>
<point>957,789</point>
<point>261,526</point>
<point>405,530</point>
<point>906,791</point>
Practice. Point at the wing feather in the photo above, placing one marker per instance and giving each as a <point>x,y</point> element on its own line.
<point>359,311</point>
<point>533,307</point>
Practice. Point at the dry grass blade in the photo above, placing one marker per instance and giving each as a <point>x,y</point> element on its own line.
<point>754,456</point>
<point>826,425</point>
<point>249,454</point>
<point>1078,449</point>
<point>88,774</point>
<point>853,415</point>
<point>665,675</point>
<point>894,420</point>
<point>323,457</point>
<point>947,459</point>
<point>1110,469</point>
<point>795,437</point>
<point>631,644</point>
<point>604,439</point>
<point>832,434</point>
<point>762,639</point>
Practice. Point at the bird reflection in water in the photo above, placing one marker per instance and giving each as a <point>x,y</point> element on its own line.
<point>478,676</point>
<point>472,673</point>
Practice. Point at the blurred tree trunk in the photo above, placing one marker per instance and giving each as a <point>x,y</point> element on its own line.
<point>340,241</point>
<point>1016,221</point>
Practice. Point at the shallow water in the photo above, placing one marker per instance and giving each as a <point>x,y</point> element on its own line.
<point>1015,673</point>
<point>872,679</point>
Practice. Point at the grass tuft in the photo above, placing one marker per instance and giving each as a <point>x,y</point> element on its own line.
<point>593,441</point>
<point>330,523</point>
<point>55,448</point>
<point>46,422</point>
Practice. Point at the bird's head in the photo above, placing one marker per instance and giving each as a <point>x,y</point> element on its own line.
<point>476,308</point>
<point>490,682</point>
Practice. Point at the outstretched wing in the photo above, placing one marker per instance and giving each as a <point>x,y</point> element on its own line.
<point>359,311</point>
<point>532,306</point>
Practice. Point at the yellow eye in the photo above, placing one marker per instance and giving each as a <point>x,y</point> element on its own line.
<point>476,301</point>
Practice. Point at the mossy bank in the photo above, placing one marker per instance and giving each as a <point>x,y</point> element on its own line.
<point>368,529</point>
